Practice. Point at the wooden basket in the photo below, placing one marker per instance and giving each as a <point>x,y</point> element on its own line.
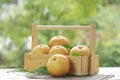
<point>79,65</point>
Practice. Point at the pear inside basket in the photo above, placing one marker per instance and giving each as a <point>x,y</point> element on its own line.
<point>59,56</point>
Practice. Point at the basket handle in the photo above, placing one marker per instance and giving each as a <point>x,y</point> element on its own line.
<point>91,28</point>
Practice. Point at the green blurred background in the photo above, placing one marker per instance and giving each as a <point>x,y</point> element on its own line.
<point>17,16</point>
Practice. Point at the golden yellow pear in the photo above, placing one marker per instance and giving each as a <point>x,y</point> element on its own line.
<point>41,49</point>
<point>80,50</point>
<point>58,40</point>
<point>58,65</point>
<point>58,49</point>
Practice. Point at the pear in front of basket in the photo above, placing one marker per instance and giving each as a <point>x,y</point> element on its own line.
<point>58,65</point>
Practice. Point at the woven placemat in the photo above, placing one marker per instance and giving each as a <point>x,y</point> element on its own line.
<point>68,77</point>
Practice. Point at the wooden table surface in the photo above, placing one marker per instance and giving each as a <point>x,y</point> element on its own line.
<point>7,74</point>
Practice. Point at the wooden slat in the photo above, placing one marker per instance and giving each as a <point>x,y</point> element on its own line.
<point>92,48</point>
<point>61,27</point>
<point>75,65</point>
<point>34,36</point>
<point>96,64</point>
<point>85,65</point>
<point>26,62</point>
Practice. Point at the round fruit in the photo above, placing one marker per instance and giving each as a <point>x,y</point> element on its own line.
<point>41,49</point>
<point>58,65</point>
<point>58,40</point>
<point>58,49</point>
<point>80,50</point>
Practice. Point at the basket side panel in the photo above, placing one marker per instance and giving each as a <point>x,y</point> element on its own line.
<point>34,61</point>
